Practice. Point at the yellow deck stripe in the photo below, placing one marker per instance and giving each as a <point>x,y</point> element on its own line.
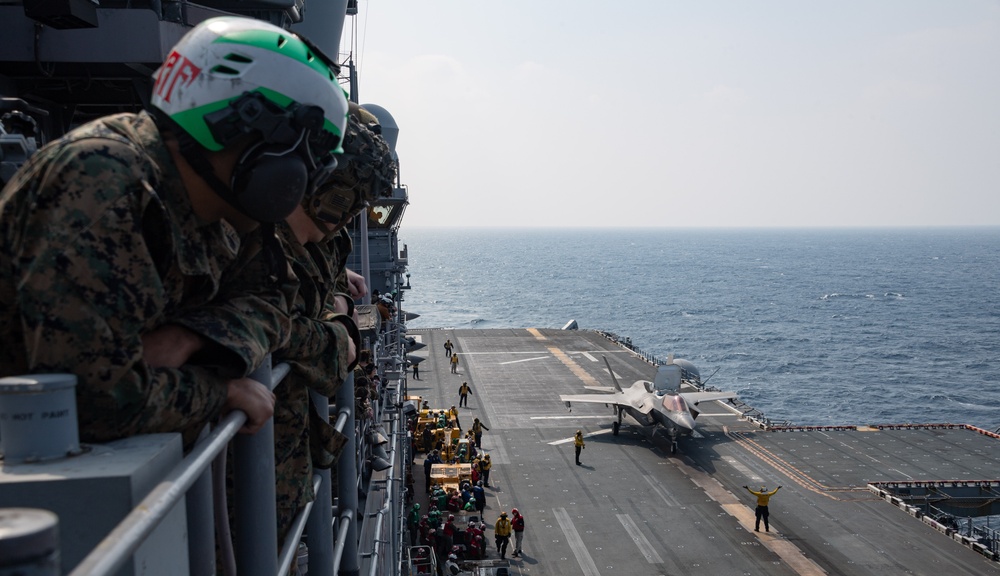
<point>787,551</point>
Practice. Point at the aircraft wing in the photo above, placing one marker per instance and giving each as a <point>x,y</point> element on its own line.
<point>693,398</point>
<point>606,389</point>
<point>617,398</point>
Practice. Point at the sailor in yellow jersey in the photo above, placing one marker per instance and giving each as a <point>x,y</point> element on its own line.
<point>579,445</point>
<point>762,499</point>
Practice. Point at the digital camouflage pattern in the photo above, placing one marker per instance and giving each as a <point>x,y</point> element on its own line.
<point>317,356</point>
<point>98,245</point>
<point>250,317</point>
<point>366,165</point>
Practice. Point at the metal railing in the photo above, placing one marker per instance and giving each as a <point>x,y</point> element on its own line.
<point>256,550</point>
<point>346,536</point>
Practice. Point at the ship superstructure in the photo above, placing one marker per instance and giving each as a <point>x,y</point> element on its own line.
<point>139,505</point>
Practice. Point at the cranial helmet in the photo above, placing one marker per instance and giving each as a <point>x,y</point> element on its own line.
<point>230,77</point>
<point>513,511</point>
<point>366,172</point>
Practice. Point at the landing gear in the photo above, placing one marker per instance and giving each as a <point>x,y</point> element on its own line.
<point>673,446</point>
<point>615,426</point>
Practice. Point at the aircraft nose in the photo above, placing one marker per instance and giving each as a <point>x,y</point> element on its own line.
<point>684,419</point>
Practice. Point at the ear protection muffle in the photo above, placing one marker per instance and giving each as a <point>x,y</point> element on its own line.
<point>274,175</point>
<point>269,182</point>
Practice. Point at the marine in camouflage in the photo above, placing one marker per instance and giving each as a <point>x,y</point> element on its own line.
<point>317,354</point>
<point>99,244</point>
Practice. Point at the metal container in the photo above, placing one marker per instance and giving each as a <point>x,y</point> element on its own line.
<point>38,417</point>
<point>29,542</point>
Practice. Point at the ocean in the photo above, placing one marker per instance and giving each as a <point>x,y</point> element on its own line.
<point>813,327</point>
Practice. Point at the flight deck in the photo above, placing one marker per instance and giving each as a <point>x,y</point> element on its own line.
<point>633,508</point>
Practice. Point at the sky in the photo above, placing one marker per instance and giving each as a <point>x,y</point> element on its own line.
<point>666,113</point>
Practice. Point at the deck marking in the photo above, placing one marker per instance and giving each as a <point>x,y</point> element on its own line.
<point>570,439</point>
<point>565,417</point>
<point>661,491</point>
<point>788,552</point>
<point>538,335</point>
<point>901,472</point>
<point>576,543</point>
<point>575,368</point>
<point>745,441</point>
<point>524,360</point>
<point>502,353</point>
<point>635,532</point>
<point>742,469</point>
<point>589,357</point>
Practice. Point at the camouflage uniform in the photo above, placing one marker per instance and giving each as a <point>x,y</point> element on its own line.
<point>99,244</point>
<point>317,355</point>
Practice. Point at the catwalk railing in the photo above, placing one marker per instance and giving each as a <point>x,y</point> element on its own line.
<point>332,529</point>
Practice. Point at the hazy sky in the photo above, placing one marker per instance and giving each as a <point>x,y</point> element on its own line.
<point>693,113</point>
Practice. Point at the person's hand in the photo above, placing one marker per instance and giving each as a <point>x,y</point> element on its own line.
<point>340,305</point>
<point>356,286</point>
<point>170,346</point>
<point>254,399</point>
<point>352,351</point>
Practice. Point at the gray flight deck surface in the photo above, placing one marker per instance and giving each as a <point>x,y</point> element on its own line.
<point>632,508</point>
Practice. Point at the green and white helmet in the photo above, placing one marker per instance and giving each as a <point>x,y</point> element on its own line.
<point>222,59</point>
<point>244,81</point>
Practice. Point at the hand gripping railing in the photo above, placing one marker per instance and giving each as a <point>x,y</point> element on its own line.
<point>254,483</point>
<point>256,552</point>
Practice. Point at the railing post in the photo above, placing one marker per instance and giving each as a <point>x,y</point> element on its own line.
<point>201,523</point>
<point>256,519</point>
<point>347,483</point>
<point>319,527</point>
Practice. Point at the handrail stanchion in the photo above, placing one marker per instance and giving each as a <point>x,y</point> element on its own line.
<point>256,519</point>
<point>201,523</point>
<point>347,483</point>
<point>113,552</point>
<point>319,527</point>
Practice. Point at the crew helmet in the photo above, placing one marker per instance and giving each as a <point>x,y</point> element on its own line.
<point>514,511</point>
<point>365,172</point>
<point>224,58</point>
<point>232,76</point>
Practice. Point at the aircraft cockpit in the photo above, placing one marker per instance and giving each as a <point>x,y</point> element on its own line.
<point>674,403</point>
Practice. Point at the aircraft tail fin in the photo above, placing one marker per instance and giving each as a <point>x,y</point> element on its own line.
<point>618,386</point>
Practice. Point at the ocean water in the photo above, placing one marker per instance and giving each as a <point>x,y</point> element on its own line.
<point>815,327</point>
